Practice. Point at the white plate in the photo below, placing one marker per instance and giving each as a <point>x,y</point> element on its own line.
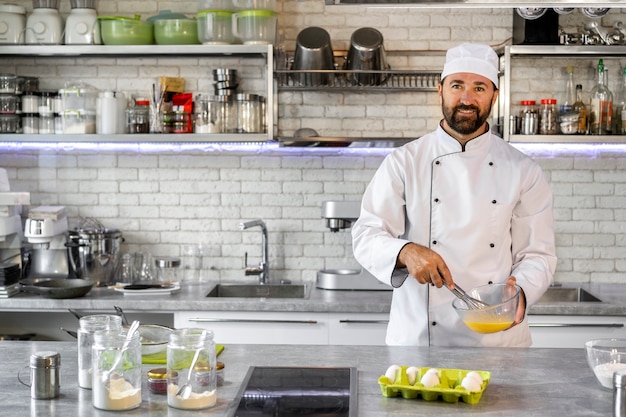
<point>154,291</point>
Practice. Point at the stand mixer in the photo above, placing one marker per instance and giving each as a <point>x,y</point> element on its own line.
<point>81,25</point>
<point>340,215</point>
<point>45,230</point>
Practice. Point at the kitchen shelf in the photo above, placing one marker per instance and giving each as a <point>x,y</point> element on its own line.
<point>567,139</point>
<point>265,52</point>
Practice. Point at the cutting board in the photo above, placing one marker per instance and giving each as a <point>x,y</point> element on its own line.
<point>160,358</point>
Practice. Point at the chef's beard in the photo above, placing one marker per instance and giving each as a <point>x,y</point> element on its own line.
<point>464,125</point>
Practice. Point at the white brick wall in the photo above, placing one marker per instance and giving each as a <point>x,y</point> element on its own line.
<point>162,199</point>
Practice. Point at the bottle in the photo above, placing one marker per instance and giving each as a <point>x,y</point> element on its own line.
<point>579,107</point>
<point>601,105</point>
<point>529,119</point>
<point>567,104</point>
<point>619,111</point>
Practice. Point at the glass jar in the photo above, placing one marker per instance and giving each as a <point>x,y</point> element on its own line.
<point>548,117</point>
<point>167,269</point>
<point>46,124</point>
<point>157,380</point>
<point>88,325</point>
<point>248,111</point>
<point>229,114</point>
<point>184,346</point>
<point>207,115</point>
<point>138,119</point>
<point>30,123</point>
<point>116,372</point>
<point>47,102</point>
<point>30,102</point>
<point>529,118</point>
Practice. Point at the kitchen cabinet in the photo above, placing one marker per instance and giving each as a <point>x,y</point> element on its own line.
<point>260,55</point>
<point>573,331</point>
<point>293,328</point>
<point>516,53</point>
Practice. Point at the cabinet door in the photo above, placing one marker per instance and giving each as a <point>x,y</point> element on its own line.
<point>573,331</point>
<point>240,327</point>
<point>357,329</point>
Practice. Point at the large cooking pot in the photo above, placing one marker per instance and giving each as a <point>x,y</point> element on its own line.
<point>93,253</point>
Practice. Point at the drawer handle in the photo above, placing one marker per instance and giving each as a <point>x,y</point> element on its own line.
<point>617,325</point>
<point>215,320</point>
<point>348,321</point>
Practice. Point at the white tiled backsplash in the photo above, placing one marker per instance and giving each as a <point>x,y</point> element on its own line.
<point>162,199</point>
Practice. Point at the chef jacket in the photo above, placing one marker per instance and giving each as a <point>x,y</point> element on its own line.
<point>486,209</point>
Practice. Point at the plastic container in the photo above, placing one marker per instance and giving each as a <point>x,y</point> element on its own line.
<point>88,325</point>
<point>76,122</point>
<point>184,346</point>
<point>30,102</point>
<point>30,123</point>
<point>10,103</point>
<point>79,98</point>
<point>122,389</point>
<point>215,27</point>
<point>449,389</point>
<point>176,32</point>
<point>125,31</point>
<point>255,26</point>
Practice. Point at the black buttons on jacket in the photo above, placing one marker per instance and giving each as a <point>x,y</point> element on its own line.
<point>491,245</point>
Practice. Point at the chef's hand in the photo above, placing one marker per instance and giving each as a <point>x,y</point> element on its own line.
<point>425,265</point>
<point>521,309</point>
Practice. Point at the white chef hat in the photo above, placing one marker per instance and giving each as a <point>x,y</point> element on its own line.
<point>472,57</point>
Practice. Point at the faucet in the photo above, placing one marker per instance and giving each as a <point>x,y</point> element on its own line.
<point>263,269</point>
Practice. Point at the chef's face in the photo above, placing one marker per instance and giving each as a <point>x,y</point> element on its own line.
<point>466,102</point>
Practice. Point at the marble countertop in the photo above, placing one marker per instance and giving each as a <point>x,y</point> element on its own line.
<point>192,297</point>
<point>529,382</point>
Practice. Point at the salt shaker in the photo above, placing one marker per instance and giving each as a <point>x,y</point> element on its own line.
<point>619,393</point>
<point>44,375</point>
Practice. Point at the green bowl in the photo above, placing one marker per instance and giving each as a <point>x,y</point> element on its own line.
<point>176,32</point>
<point>124,31</point>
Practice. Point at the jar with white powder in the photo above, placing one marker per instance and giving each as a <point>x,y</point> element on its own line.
<point>116,371</point>
<point>185,345</point>
<point>88,326</point>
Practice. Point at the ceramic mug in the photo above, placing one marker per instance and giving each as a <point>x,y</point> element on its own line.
<point>254,26</point>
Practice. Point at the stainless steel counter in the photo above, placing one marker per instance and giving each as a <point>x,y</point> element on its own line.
<point>192,297</point>
<point>529,382</point>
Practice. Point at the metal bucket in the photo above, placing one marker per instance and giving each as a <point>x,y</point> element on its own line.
<point>93,253</point>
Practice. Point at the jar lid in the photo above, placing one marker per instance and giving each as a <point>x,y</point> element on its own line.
<point>219,365</point>
<point>548,101</point>
<point>157,373</point>
<point>45,358</point>
<point>167,262</point>
<point>142,102</point>
<point>528,102</point>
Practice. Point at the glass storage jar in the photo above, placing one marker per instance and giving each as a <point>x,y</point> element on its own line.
<point>88,325</point>
<point>248,112</point>
<point>207,114</point>
<point>548,117</point>
<point>529,118</point>
<point>191,357</point>
<point>167,269</point>
<point>117,372</point>
<point>138,119</point>
<point>30,123</point>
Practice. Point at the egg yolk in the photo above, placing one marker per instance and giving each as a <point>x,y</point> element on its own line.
<point>489,327</point>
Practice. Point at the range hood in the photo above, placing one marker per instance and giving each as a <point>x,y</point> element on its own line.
<point>480,3</point>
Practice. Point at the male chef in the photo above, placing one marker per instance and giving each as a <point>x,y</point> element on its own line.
<point>458,205</point>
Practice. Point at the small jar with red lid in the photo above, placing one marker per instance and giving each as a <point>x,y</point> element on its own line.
<point>157,380</point>
<point>548,117</point>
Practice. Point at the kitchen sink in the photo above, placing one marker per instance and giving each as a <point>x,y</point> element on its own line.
<point>576,295</point>
<point>258,291</point>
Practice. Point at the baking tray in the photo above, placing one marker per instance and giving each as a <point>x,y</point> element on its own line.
<point>449,389</point>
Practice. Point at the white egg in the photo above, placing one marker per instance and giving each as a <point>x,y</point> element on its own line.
<point>471,384</point>
<point>430,380</point>
<point>411,373</point>
<point>475,376</point>
<point>433,371</point>
<point>392,372</point>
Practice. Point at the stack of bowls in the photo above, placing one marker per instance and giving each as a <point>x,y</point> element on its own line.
<point>226,81</point>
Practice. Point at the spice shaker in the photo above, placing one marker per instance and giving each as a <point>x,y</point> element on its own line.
<point>44,375</point>
<point>88,326</point>
<point>619,393</point>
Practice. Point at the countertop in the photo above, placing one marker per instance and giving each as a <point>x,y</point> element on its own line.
<point>529,382</point>
<point>192,297</point>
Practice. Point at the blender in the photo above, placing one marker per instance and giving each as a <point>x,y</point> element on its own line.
<point>44,25</point>
<point>81,25</point>
<point>340,215</point>
<point>45,230</point>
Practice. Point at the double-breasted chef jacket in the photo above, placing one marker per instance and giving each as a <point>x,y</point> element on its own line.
<point>486,209</point>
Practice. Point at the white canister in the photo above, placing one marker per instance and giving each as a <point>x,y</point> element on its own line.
<point>215,27</point>
<point>255,26</point>
<point>12,23</point>
<point>110,113</point>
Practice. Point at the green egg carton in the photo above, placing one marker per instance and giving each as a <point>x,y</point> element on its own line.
<point>448,390</point>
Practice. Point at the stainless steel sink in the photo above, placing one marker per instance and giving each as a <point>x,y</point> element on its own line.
<point>575,295</point>
<point>258,291</point>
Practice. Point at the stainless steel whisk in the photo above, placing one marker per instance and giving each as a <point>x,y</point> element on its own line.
<point>471,302</point>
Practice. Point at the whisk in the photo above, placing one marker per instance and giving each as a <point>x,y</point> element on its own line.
<point>471,302</point>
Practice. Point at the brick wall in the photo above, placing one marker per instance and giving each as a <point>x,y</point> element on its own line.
<point>165,196</point>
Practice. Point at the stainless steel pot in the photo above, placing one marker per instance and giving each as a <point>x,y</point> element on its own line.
<point>93,253</point>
